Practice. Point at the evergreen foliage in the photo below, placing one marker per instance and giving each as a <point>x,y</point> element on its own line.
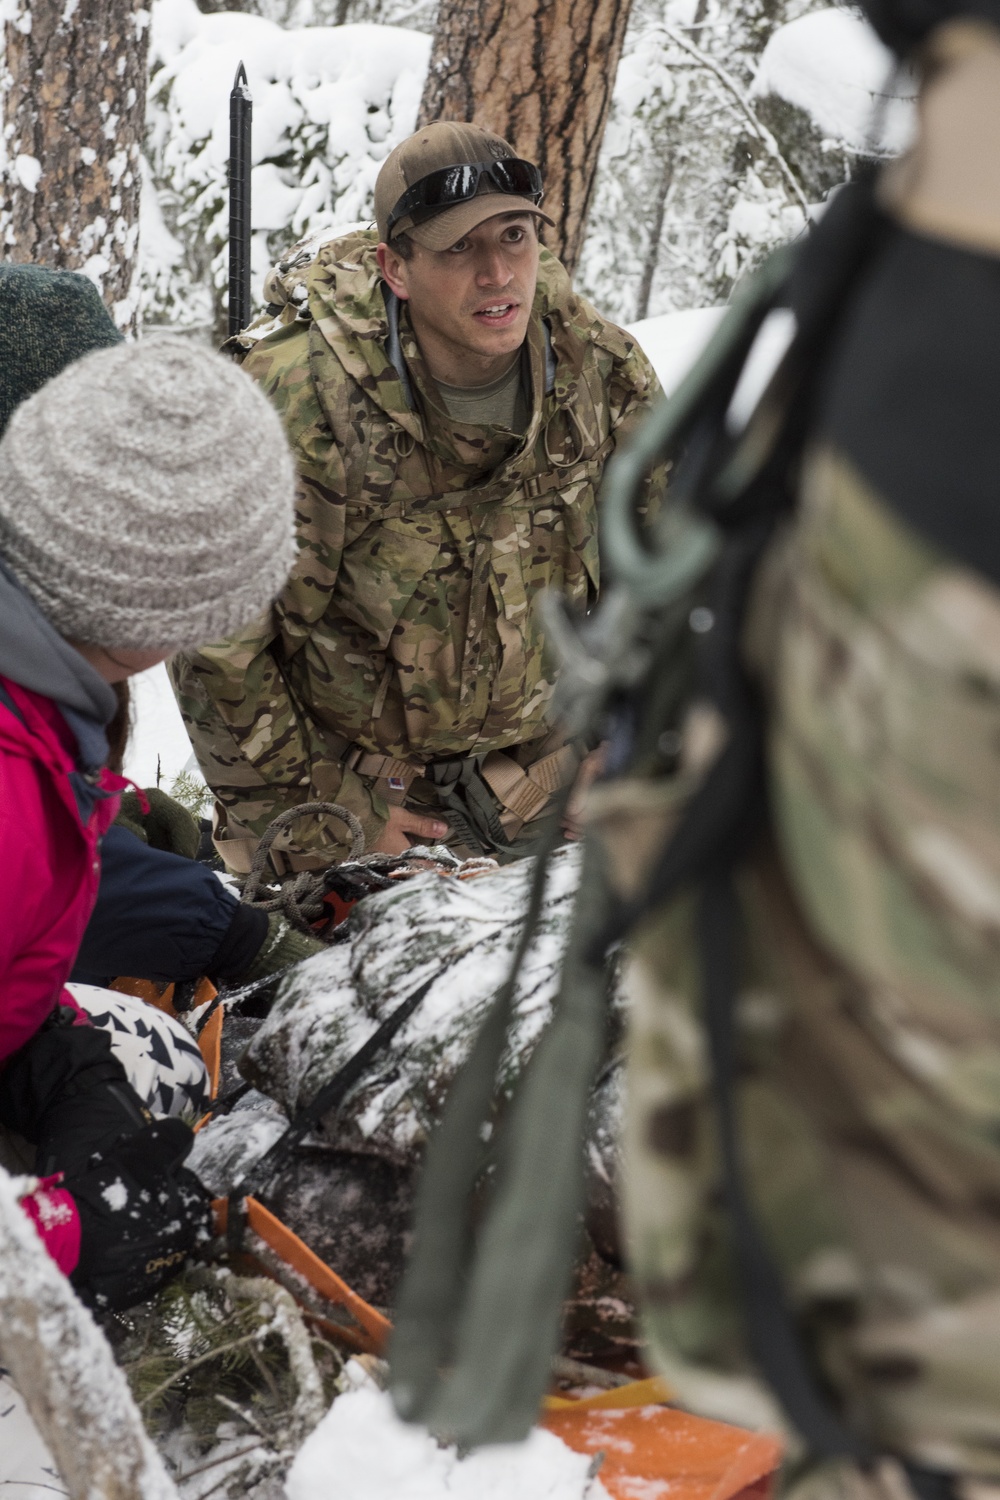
<point>226,1362</point>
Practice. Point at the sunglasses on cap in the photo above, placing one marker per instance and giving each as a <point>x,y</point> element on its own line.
<point>451,185</point>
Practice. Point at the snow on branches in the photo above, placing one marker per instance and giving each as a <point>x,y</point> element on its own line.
<point>731,123</point>
<point>329,105</point>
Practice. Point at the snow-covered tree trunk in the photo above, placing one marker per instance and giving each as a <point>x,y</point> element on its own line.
<point>73,91</point>
<point>62,1366</point>
<point>540,73</point>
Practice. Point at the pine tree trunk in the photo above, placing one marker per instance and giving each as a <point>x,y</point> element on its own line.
<point>73,88</point>
<point>540,73</point>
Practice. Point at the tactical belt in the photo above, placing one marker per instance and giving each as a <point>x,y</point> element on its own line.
<point>523,792</point>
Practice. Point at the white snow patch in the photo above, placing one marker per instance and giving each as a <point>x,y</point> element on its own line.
<point>364,1450</point>
<point>28,171</point>
<point>230,1144</point>
<point>766,353</point>
<point>831,64</point>
<point>673,341</point>
<point>115,1195</point>
<point>27,1468</point>
<point>158,747</point>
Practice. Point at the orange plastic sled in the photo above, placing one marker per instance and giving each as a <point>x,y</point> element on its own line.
<point>652,1452</point>
<point>368,1330</point>
<point>365,1329</point>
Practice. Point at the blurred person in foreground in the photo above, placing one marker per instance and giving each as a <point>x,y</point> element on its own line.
<point>451,403</point>
<point>866,1022</point>
<point>114,478</point>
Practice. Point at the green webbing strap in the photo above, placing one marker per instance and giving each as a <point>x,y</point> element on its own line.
<point>511,1313</point>
<point>639,563</point>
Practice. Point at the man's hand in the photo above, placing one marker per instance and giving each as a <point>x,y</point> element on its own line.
<point>402,822</point>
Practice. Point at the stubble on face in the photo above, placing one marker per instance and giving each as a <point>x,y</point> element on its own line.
<point>470,305</point>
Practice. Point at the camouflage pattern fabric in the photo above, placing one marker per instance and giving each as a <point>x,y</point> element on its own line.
<point>408,628</point>
<point>868,1020</point>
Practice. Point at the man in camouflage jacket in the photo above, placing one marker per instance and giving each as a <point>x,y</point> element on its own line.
<point>403,673</point>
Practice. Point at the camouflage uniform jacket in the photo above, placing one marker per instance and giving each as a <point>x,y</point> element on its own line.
<point>408,628</point>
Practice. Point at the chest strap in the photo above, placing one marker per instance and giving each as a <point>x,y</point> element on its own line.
<point>396,776</point>
<point>522,791</point>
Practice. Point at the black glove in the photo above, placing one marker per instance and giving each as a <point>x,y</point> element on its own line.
<point>68,1094</point>
<point>141,1213</point>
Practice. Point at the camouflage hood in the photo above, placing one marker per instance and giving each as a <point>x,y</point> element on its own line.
<point>368,331</point>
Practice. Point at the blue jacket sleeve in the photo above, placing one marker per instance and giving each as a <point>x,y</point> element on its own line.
<point>159,916</point>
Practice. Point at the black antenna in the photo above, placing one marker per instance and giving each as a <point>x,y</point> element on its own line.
<point>240,118</point>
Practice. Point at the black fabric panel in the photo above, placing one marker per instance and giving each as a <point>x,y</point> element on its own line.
<point>912,395</point>
<point>240,946</point>
<point>157,916</point>
<point>66,1093</point>
<point>902,24</point>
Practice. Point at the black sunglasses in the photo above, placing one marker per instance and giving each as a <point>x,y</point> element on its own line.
<point>451,185</point>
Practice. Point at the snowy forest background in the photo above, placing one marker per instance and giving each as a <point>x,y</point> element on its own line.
<point>731,121</point>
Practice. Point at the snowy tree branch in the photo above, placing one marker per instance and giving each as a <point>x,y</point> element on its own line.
<point>61,1364</point>
<point>759,129</point>
<point>286,1321</point>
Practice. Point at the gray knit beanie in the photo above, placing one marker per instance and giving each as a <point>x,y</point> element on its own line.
<point>146,497</point>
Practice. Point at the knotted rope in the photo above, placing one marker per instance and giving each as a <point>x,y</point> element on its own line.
<point>299,900</point>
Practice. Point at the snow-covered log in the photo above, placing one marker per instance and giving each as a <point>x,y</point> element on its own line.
<point>61,1364</point>
<point>455,936</point>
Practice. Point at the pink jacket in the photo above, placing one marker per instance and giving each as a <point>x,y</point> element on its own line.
<point>49,873</point>
<point>49,862</point>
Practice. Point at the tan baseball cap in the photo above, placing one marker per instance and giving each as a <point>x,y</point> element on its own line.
<point>445,144</point>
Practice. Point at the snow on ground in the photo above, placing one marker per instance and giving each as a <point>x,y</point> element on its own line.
<point>673,341</point>
<point>158,748</point>
<point>831,64</point>
<point>375,1456</point>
